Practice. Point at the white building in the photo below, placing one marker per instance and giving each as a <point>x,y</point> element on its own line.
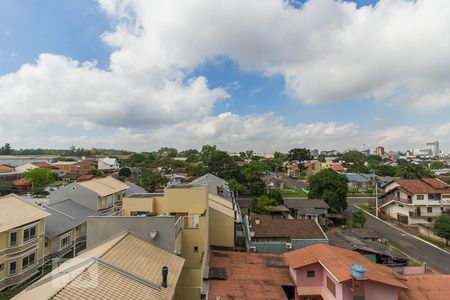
<point>415,201</point>
<point>108,164</point>
<point>434,147</point>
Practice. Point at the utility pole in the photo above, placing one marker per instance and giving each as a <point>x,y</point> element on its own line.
<point>376,193</point>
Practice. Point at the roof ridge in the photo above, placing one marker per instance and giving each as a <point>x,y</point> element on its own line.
<point>57,210</point>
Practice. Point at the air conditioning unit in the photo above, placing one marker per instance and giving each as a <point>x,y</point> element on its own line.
<point>288,245</point>
<point>252,249</point>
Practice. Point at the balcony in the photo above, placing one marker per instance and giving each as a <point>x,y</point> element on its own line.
<point>19,248</point>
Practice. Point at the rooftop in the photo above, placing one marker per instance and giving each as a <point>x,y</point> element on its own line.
<point>305,203</point>
<point>15,212</point>
<point>264,226</point>
<point>216,185</point>
<point>125,267</point>
<point>338,262</point>
<point>243,275</point>
<point>423,186</point>
<point>104,186</point>
<point>65,215</point>
<point>436,287</point>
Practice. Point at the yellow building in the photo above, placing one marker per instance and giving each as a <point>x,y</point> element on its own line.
<point>22,230</point>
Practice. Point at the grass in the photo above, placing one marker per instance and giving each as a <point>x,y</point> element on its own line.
<point>292,193</point>
<point>366,208</point>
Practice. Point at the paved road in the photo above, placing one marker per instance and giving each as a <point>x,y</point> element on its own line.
<point>436,259</point>
<point>297,184</point>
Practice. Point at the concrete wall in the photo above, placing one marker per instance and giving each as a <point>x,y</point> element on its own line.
<point>221,229</point>
<point>182,200</point>
<point>100,229</point>
<point>77,193</point>
<point>302,278</point>
<point>137,204</point>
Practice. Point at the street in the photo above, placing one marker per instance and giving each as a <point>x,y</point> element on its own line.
<point>436,259</point>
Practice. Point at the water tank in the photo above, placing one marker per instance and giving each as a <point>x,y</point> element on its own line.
<point>358,272</point>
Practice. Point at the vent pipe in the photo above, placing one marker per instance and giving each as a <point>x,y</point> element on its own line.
<point>165,272</point>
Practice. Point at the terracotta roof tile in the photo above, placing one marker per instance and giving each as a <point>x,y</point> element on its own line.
<point>436,287</point>
<point>423,186</point>
<point>338,261</point>
<point>4,168</point>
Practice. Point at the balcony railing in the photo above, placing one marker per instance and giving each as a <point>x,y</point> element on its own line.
<point>21,247</point>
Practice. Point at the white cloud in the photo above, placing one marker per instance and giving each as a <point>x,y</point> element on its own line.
<point>397,51</point>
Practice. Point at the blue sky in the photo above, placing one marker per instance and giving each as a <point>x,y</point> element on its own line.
<point>74,29</point>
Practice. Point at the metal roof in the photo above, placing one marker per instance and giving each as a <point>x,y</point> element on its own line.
<point>65,215</point>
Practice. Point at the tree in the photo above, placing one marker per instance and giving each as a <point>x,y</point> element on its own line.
<point>359,217</point>
<point>235,186</point>
<point>299,154</point>
<point>6,150</point>
<point>96,173</point>
<point>125,171</point>
<point>253,173</point>
<point>151,180</point>
<point>222,165</point>
<point>409,170</point>
<point>442,227</point>
<point>6,188</point>
<point>321,158</point>
<point>438,165</point>
<point>354,161</point>
<point>168,152</point>
<point>386,170</point>
<point>331,187</point>
<point>262,205</point>
<point>206,153</point>
<point>40,177</point>
<point>276,194</point>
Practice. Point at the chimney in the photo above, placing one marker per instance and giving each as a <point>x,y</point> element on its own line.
<point>165,272</point>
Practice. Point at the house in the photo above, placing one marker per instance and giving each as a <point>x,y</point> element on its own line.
<point>22,230</point>
<point>278,235</point>
<point>371,249</point>
<point>338,168</point>
<point>359,182</point>
<point>415,201</point>
<point>124,267</point>
<point>312,167</point>
<point>436,287</point>
<point>103,195</point>
<point>26,167</point>
<point>243,275</point>
<point>22,185</point>
<point>274,182</point>
<point>76,167</point>
<point>65,228</point>
<point>293,170</point>
<point>6,169</point>
<point>134,188</point>
<point>108,164</point>
<point>325,272</point>
<point>301,208</point>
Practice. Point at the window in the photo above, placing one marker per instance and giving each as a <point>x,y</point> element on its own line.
<point>420,197</point>
<point>430,220</point>
<point>46,244</point>
<point>2,266</point>
<point>29,233</point>
<point>310,273</point>
<point>429,209</point>
<point>28,261</point>
<point>65,241</point>
<point>331,286</point>
<point>13,238</point>
<point>434,196</point>
<point>195,249</point>
<point>13,267</point>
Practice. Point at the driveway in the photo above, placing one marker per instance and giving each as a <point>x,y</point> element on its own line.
<point>297,184</point>
<point>436,259</point>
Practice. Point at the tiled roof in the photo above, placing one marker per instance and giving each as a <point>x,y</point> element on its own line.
<point>104,186</point>
<point>4,168</point>
<point>338,262</point>
<point>422,186</point>
<point>85,177</point>
<point>337,168</point>
<point>42,164</point>
<point>128,268</point>
<point>303,203</point>
<point>22,182</point>
<point>265,226</point>
<point>15,212</point>
<point>65,215</point>
<point>436,287</point>
<point>243,275</point>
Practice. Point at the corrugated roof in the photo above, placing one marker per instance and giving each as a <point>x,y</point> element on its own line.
<point>136,267</point>
<point>338,261</point>
<point>247,275</point>
<point>104,186</point>
<point>15,212</point>
<point>435,287</point>
<point>65,215</point>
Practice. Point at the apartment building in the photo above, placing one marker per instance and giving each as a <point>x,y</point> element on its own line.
<point>416,201</point>
<point>22,230</point>
<point>103,195</point>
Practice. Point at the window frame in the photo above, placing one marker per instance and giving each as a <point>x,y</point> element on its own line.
<point>310,273</point>
<point>429,209</point>
<point>29,265</point>
<point>331,286</point>
<point>420,197</point>
<point>28,228</point>
<point>16,232</point>
<point>64,237</point>
<point>15,261</point>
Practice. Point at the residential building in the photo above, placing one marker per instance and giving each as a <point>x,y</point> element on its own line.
<point>76,167</point>
<point>133,189</point>
<point>243,275</point>
<point>6,169</point>
<point>127,266</point>
<point>338,168</point>
<point>359,181</point>
<point>18,160</point>
<point>414,201</point>
<point>312,167</point>
<point>103,195</point>
<point>433,286</point>
<point>65,228</point>
<point>379,151</point>
<point>26,167</point>
<point>22,185</point>
<point>108,164</point>
<point>22,229</point>
<point>293,170</point>
<point>301,208</point>
<point>434,147</point>
<point>280,235</point>
<point>325,272</point>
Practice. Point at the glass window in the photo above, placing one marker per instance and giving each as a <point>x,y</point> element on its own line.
<point>310,274</point>
<point>12,267</point>
<point>65,241</point>
<point>29,233</point>
<point>28,261</point>
<point>13,238</point>
<point>331,286</point>
<point>429,209</point>
<point>419,197</point>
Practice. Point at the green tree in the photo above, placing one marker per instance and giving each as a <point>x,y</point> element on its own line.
<point>276,194</point>
<point>40,177</point>
<point>151,180</point>
<point>125,171</point>
<point>206,153</point>
<point>6,188</point>
<point>359,217</point>
<point>299,154</point>
<point>6,150</point>
<point>235,186</point>
<point>409,170</point>
<point>262,205</point>
<point>168,152</point>
<point>386,170</point>
<point>442,227</point>
<point>222,165</point>
<point>438,165</point>
<point>321,158</point>
<point>254,173</point>
<point>196,169</point>
<point>96,173</point>
<point>331,187</point>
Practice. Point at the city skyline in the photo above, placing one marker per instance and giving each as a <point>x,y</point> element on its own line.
<point>141,75</point>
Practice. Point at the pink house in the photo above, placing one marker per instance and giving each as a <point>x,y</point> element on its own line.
<point>325,272</point>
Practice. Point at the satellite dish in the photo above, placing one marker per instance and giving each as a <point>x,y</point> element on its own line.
<point>252,233</point>
<point>153,234</point>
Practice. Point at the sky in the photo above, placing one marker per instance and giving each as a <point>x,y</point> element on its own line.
<point>242,74</point>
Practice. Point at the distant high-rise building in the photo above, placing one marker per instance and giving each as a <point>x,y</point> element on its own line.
<point>434,147</point>
<point>379,151</point>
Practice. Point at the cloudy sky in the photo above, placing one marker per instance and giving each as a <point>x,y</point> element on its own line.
<point>243,74</point>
